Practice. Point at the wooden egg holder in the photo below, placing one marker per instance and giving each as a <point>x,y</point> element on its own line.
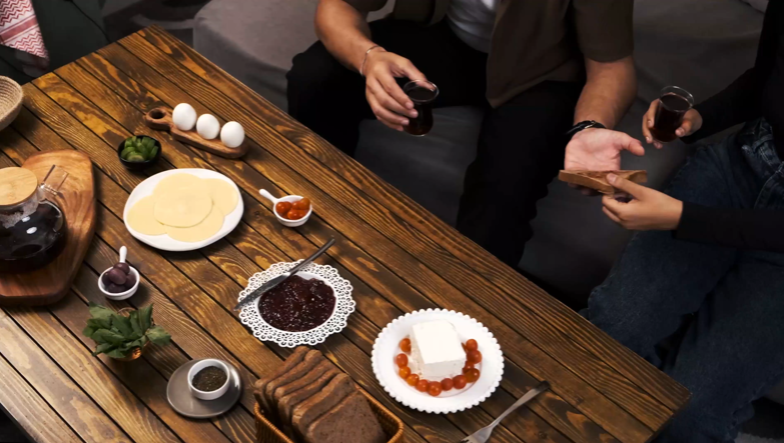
<point>161,119</point>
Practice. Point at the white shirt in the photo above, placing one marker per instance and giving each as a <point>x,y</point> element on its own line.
<point>473,21</point>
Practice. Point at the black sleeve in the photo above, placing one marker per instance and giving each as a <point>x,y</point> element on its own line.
<point>758,229</point>
<point>739,103</point>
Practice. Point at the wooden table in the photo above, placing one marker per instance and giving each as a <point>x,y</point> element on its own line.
<point>398,257</point>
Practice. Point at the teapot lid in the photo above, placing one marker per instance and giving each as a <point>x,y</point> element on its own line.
<point>16,185</point>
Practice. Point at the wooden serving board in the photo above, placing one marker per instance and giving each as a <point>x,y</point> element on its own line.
<point>161,119</point>
<point>598,179</point>
<point>50,283</point>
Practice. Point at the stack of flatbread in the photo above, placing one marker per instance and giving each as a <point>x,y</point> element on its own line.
<point>313,402</point>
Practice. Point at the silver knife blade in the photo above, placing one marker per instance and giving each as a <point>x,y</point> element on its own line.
<point>253,296</point>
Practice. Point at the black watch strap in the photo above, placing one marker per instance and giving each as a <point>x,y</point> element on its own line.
<point>584,125</point>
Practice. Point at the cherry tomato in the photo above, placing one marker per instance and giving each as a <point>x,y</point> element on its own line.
<point>434,388</point>
<point>405,345</point>
<point>401,360</point>
<point>422,385</point>
<point>404,372</point>
<point>296,214</point>
<point>447,384</point>
<point>472,375</point>
<point>471,345</point>
<point>459,382</point>
<point>412,380</point>
<point>468,365</point>
<point>464,347</point>
<point>474,356</point>
<point>302,205</point>
<point>283,208</point>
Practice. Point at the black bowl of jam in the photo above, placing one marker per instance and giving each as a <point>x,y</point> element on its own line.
<point>298,304</point>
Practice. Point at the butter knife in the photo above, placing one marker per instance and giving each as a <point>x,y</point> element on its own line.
<point>253,296</point>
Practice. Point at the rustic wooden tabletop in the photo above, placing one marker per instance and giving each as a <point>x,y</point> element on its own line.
<point>398,257</point>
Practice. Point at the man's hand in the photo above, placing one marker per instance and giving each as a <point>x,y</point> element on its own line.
<point>596,149</point>
<point>692,122</point>
<point>650,209</point>
<point>389,103</point>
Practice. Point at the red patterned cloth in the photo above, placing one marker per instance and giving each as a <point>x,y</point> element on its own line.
<point>19,30</point>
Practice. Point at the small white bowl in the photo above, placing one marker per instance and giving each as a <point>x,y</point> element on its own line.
<point>206,363</point>
<point>120,295</point>
<point>291,199</point>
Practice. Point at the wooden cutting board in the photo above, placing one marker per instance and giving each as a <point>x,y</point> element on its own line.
<point>50,283</point>
<point>598,179</point>
<point>161,119</point>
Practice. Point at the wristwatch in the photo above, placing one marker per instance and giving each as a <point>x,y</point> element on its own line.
<point>584,125</point>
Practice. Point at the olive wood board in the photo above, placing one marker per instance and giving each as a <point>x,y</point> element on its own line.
<point>77,201</point>
<point>160,119</point>
<point>598,179</point>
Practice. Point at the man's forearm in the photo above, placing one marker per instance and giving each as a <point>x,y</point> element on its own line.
<point>344,31</point>
<point>608,93</point>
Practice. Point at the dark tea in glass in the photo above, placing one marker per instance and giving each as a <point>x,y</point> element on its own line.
<point>674,102</point>
<point>422,93</point>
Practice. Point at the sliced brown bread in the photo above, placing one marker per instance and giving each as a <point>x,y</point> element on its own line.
<point>309,410</point>
<point>294,359</point>
<point>312,358</point>
<point>351,420</point>
<point>287,403</point>
<point>598,179</point>
<point>301,382</point>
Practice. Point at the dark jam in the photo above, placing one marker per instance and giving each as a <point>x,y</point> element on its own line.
<point>297,304</point>
<point>210,379</point>
<point>34,241</point>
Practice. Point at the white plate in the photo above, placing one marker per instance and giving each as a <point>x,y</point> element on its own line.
<point>344,306</point>
<point>166,243</point>
<point>387,347</point>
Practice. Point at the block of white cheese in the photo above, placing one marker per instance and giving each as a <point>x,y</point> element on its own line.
<point>436,351</point>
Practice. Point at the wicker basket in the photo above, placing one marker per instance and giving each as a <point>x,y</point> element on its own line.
<point>392,426</point>
<point>11,96</point>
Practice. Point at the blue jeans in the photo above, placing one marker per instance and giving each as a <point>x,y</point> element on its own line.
<point>722,309</point>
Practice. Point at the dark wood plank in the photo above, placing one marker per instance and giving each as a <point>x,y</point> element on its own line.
<point>110,394</point>
<point>96,93</point>
<point>36,418</point>
<point>579,392</point>
<point>660,386</point>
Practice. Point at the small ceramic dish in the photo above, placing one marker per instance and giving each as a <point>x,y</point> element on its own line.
<point>291,199</point>
<point>387,347</point>
<point>344,306</point>
<point>185,403</point>
<point>120,295</point>
<point>139,166</point>
<point>206,363</point>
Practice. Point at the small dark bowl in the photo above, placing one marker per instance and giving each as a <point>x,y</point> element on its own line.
<point>138,166</point>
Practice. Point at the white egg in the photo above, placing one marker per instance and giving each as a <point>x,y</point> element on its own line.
<point>184,117</point>
<point>207,126</point>
<point>232,134</point>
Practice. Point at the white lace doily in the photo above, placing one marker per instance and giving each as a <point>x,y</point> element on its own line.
<point>344,306</point>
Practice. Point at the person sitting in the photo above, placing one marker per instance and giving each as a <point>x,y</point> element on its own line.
<point>536,68</point>
<point>707,276</point>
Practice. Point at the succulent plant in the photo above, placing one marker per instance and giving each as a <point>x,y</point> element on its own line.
<point>117,336</point>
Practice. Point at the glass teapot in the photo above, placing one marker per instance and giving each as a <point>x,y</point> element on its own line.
<point>32,226</point>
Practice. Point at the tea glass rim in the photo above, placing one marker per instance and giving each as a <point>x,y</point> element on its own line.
<point>434,89</point>
<point>686,95</point>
